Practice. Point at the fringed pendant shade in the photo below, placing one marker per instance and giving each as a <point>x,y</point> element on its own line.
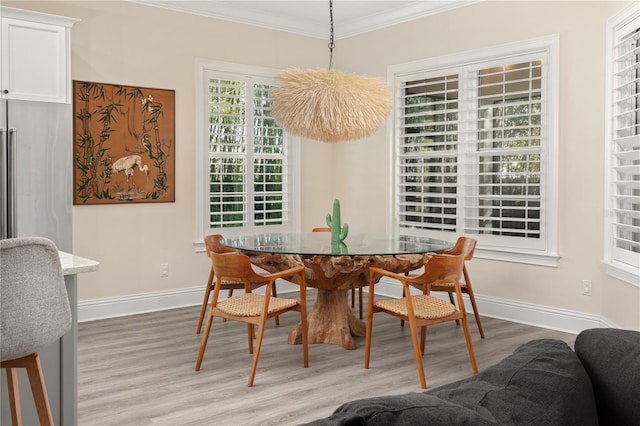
<point>328,105</point>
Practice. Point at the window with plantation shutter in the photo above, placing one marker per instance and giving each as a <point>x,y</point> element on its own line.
<point>428,153</point>
<point>228,205</point>
<point>250,182</point>
<point>622,251</point>
<point>503,176</point>
<point>475,151</point>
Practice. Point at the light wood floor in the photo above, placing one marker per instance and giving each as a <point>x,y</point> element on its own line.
<point>139,370</point>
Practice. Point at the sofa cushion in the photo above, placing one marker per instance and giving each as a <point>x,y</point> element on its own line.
<point>612,359</point>
<point>541,383</point>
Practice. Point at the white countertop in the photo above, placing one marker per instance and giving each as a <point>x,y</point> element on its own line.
<point>72,264</point>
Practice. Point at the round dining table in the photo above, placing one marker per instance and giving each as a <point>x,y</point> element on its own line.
<point>333,268</point>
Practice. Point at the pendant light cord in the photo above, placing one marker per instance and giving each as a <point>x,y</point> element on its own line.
<point>331,43</point>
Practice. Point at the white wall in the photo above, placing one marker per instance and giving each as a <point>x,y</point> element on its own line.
<point>125,43</point>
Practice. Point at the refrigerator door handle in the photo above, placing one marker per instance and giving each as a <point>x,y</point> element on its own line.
<point>12,218</point>
<point>3,184</point>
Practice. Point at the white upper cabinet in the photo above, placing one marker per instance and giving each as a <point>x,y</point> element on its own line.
<point>35,56</point>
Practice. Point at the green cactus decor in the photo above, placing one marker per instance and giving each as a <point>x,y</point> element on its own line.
<point>338,230</point>
<point>338,247</point>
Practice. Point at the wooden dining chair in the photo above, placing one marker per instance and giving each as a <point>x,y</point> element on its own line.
<point>213,244</point>
<point>464,246</point>
<point>250,308</point>
<point>353,289</point>
<point>423,309</point>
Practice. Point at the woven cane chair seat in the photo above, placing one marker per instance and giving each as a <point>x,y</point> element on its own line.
<point>234,284</point>
<point>424,307</point>
<point>449,284</point>
<point>251,305</point>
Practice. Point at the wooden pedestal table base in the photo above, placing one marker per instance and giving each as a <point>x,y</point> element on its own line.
<point>330,321</point>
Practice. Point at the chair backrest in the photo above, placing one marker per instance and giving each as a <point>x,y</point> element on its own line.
<point>465,246</point>
<point>324,229</point>
<point>234,266</point>
<point>442,269</point>
<point>213,244</point>
<point>34,306</point>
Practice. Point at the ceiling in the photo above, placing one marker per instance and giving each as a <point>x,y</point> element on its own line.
<point>311,17</point>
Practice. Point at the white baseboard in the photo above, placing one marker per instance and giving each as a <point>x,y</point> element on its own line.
<point>520,312</point>
<point>510,310</point>
<point>537,315</point>
<point>111,307</point>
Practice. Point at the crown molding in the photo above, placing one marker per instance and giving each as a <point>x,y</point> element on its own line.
<point>305,17</point>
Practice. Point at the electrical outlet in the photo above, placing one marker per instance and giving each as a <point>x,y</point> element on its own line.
<point>164,270</point>
<point>586,287</point>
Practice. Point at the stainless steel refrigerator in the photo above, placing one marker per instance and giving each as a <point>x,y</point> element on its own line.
<point>36,170</point>
<point>36,197</point>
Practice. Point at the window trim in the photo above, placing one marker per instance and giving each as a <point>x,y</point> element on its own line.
<point>201,148</point>
<point>550,44</point>
<point>614,268</point>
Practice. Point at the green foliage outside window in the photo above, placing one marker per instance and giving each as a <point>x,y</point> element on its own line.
<point>234,147</point>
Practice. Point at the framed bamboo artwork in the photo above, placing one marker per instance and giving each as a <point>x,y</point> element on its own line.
<point>123,144</point>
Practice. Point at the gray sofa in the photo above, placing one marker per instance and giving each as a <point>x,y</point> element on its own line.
<point>544,382</point>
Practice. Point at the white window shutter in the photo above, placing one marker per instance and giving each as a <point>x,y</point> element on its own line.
<point>248,168</point>
<point>228,186</point>
<point>428,153</point>
<point>270,162</point>
<point>503,166</point>
<point>623,233</point>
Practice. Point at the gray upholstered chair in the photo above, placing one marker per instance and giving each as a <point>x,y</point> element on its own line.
<point>34,312</point>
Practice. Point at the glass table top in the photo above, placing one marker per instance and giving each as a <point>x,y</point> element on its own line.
<point>319,243</point>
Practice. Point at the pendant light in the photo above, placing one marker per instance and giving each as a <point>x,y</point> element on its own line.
<point>329,105</point>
